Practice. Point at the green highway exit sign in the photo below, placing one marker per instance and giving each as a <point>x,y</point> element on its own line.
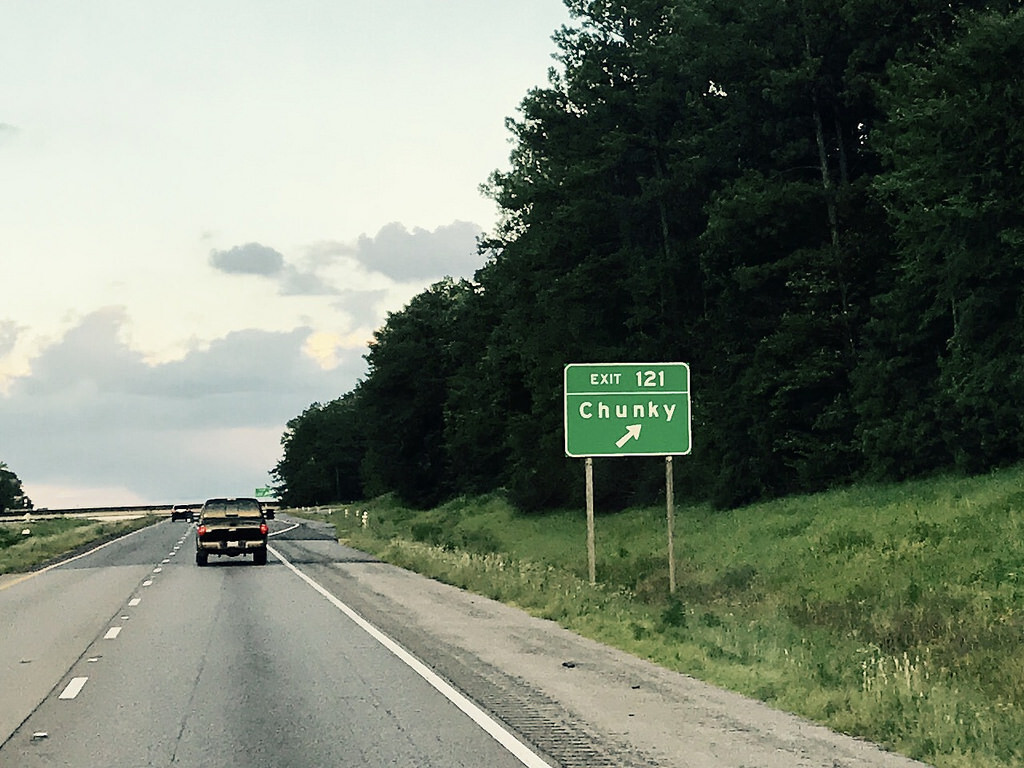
<point>627,409</point>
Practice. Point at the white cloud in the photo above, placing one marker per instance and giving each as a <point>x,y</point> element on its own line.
<point>93,414</point>
<point>295,282</point>
<point>397,253</point>
<point>93,407</point>
<point>184,192</point>
<point>9,332</point>
<point>248,259</point>
<point>328,349</point>
<point>418,254</point>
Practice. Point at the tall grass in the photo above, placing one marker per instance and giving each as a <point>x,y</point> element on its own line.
<point>891,612</point>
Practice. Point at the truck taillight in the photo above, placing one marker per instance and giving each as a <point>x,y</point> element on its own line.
<point>201,530</point>
<point>263,529</point>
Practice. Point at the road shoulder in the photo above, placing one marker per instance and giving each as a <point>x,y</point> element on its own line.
<point>660,717</point>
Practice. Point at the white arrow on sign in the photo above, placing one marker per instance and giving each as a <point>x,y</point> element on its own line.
<point>632,433</point>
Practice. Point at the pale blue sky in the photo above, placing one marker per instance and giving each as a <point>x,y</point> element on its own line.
<point>206,208</point>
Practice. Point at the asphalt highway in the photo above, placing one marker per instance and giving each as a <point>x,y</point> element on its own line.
<point>133,656</point>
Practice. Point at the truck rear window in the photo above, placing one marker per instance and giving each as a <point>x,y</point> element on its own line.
<point>231,509</point>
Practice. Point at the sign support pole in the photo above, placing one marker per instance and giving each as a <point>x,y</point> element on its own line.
<point>670,503</point>
<point>591,552</point>
<point>627,409</point>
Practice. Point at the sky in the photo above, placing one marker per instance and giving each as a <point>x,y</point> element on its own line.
<point>207,207</point>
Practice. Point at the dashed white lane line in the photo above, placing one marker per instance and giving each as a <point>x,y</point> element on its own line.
<point>112,633</point>
<point>73,688</point>
<point>147,583</point>
<point>134,601</point>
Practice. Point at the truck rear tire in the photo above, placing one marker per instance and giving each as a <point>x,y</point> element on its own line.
<point>259,557</point>
<point>201,558</point>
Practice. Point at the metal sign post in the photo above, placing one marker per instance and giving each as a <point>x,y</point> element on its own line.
<point>670,510</point>
<point>591,550</point>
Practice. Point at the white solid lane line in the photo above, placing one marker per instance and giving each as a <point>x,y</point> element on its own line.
<point>74,688</point>
<point>285,530</point>
<point>515,747</point>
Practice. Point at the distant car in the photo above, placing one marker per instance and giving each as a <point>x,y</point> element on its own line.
<point>181,512</point>
<point>231,527</point>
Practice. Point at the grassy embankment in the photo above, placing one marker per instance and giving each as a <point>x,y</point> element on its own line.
<point>50,539</point>
<point>892,612</point>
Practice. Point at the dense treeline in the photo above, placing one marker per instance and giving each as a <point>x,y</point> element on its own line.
<point>12,496</point>
<point>818,205</point>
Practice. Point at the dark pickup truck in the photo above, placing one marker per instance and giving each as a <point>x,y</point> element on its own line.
<point>231,527</point>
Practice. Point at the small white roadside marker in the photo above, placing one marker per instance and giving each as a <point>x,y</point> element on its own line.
<point>134,601</point>
<point>73,688</point>
<point>112,633</point>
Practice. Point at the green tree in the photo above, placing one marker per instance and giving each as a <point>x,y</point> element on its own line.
<point>12,496</point>
<point>595,258</point>
<point>323,451</point>
<point>476,399</point>
<point>797,247</point>
<point>949,331</point>
<point>756,188</point>
<point>412,360</point>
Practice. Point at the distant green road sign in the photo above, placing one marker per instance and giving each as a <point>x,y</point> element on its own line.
<point>264,492</point>
<point>627,409</point>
